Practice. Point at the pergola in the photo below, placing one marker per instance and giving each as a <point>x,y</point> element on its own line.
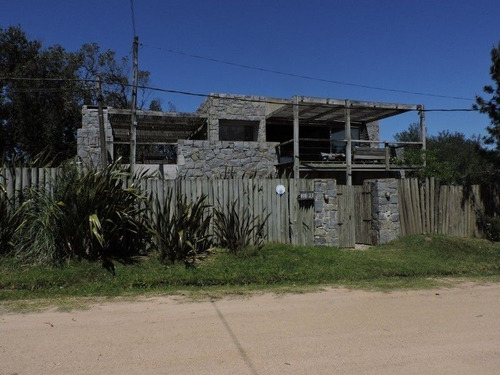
<point>156,128</point>
<point>305,111</point>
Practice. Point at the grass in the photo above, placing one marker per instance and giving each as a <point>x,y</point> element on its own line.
<point>412,262</point>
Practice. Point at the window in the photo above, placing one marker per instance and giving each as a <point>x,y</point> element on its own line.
<point>336,136</point>
<point>238,130</point>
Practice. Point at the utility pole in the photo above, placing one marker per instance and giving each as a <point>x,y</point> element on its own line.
<point>102,131</point>
<point>348,146</point>
<point>423,131</point>
<point>133,125</point>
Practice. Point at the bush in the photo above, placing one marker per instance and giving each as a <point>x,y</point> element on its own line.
<point>490,225</point>
<point>238,230</point>
<point>90,215</point>
<point>10,221</point>
<point>180,229</point>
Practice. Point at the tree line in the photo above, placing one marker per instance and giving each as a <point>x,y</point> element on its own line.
<point>42,90</point>
<point>454,158</point>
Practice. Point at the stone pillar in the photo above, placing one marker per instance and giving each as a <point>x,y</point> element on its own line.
<point>88,144</point>
<point>385,210</point>
<point>372,129</point>
<point>261,135</point>
<point>213,129</point>
<point>325,213</point>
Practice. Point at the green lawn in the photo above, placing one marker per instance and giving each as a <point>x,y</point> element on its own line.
<point>411,262</point>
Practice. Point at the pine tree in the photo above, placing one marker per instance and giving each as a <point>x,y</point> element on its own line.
<point>491,106</point>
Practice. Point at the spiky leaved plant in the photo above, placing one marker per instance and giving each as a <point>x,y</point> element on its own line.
<point>91,215</point>
<point>237,230</point>
<point>10,222</point>
<point>180,229</point>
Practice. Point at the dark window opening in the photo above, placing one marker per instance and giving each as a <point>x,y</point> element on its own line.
<point>237,130</point>
<point>337,138</point>
<point>148,154</point>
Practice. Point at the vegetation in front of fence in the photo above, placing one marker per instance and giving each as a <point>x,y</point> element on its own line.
<point>414,261</point>
<point>490,226</point>
<point>86,215</point>
<point>10,221</point>
<point>236,229</point>
<point>180,229</point>
<point>93,214</point>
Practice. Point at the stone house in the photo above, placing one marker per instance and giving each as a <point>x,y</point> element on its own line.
<point>252,136</point>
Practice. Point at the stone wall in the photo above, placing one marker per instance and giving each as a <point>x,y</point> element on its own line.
<point>373,130</point>
<point>88,144</point>
<point>385,210</point>
<point>233,107</point>
<point>216,159</point>
<point>326,213</point>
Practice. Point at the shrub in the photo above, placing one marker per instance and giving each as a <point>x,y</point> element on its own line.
<point>91,215</point>
<point>236,230</point>
<point>10,221</point>
<point>180,229</point>
<point>39,241</point>
<point>490,225</point>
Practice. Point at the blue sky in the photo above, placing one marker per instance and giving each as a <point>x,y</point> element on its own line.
<point>440,47</point>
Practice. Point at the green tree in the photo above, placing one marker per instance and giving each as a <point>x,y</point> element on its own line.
<point>114,73</point>
<point>450,157</point>
<point>491,106</point>
<point>468,160</point>
<point>412,134</point>
<point>43,112</point>
<point>155,105</point>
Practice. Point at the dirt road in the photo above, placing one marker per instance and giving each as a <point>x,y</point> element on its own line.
<point>439,331</point>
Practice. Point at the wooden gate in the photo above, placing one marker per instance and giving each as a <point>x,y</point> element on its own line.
<point>347,228</point>
<point>363,214</point>
<point>355,216</point>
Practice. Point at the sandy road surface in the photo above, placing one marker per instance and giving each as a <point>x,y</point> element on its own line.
<point>439,331</point>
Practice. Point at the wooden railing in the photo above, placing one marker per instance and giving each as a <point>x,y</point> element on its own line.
<point>363,152</point>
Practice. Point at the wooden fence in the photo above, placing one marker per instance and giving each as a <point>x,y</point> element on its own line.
<point>428,207</point>
<point>289,221</point>
<point>424,207</point>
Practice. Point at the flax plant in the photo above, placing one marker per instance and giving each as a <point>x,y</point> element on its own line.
<point>92,214</point>
<point>237,230</point>
<point>10,221</point>
<point>181,229</point>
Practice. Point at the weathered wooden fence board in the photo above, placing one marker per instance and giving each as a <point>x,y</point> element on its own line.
<point>347,227</point>
<point>363,213</point>
<point>425,207</point>
<point>257,197</point>
<point>428,207</point>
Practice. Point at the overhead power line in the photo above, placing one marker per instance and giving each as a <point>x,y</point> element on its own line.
<point>202,95</point>
<point>311,78</point>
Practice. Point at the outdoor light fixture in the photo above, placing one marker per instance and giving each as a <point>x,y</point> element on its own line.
<point>280,190</point>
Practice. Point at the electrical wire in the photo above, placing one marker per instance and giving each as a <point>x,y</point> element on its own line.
<point>215,96</point>
<point>311,78</point>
